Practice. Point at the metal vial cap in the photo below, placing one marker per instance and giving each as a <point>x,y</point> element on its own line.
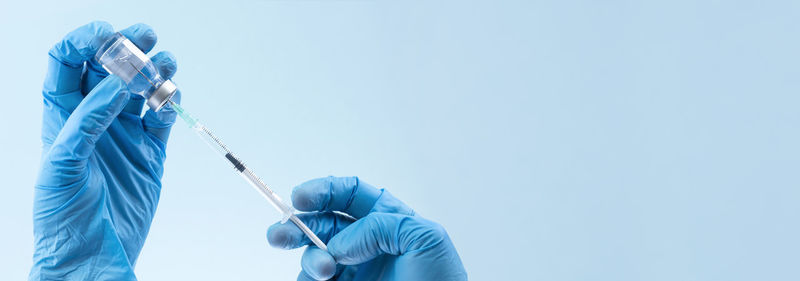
<point>161,95</point>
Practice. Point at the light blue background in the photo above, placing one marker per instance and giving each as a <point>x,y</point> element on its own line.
<point>555,140</point>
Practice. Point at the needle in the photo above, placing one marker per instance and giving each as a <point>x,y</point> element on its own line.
<point>145,76</point>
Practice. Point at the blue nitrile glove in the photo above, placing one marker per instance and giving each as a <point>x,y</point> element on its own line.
<point>381,239</point>
<point>101,168</point>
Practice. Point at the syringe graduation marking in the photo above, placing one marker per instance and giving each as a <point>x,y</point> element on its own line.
<point>216,140</point>
<point>228,154</point>
<point>237,164</point>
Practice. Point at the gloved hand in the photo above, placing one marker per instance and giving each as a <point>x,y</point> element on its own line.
<point>101,166</point>
<point>380,238</point>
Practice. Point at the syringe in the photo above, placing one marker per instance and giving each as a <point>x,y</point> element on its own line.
<point>119,56</point>
<point>247,174</point>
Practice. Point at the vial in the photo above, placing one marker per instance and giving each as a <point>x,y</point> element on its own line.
<point>119,56</point>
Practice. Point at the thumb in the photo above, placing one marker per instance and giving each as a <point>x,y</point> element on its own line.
<point>75,143</point>
<point>385,233</point>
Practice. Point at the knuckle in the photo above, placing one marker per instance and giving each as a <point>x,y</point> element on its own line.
<point>432,229</point>
<point>377,222</point>
<point>374,219</point>
<point>422,234</point>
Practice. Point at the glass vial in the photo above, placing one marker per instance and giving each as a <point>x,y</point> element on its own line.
<point>119,56</point>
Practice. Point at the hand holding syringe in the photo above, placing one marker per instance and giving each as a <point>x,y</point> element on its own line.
<point>120,57</point>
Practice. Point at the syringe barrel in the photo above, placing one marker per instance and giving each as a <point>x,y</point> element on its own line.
<point>119,56</point>
<point>273,198</point>
<point>208,138</point>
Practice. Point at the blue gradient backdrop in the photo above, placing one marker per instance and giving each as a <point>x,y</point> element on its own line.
<point>555,140</point>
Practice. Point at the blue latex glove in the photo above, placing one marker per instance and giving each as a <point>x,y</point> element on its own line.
<point>101,169</point>
<point>381,239</point>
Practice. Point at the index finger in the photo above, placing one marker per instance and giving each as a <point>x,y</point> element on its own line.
<point>67,58</point>
<point>345,194</point>
<point>62,84</point>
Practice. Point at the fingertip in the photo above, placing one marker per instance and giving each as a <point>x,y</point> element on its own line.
<point>81,44</point>
<point>166,63</point>
<point>311,195</point>
<point>318,264</point>
<point>142,35</point>
<point>283,236</point>
<point>99,31</point>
